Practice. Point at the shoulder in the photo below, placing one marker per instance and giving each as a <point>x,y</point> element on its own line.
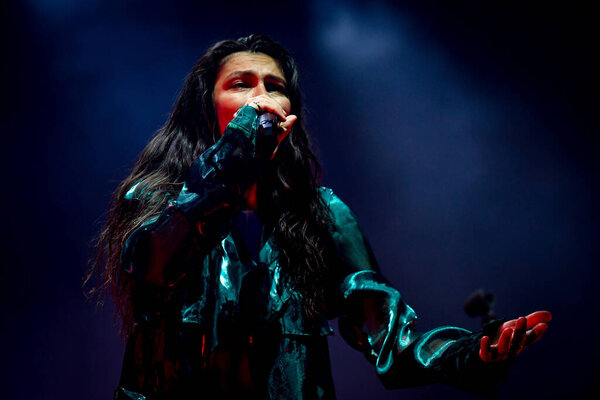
<point>331,200</point>
<point>340,212</point>
<point>142,190</point>
<point>349,239</point>
<point>132,194</point>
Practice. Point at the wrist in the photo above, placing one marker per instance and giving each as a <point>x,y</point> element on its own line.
<point>246,122</point>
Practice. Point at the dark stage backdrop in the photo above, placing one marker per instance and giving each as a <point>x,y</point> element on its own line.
<point>461,135</point>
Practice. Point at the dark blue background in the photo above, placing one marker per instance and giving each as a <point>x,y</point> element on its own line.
<point>462,135</point>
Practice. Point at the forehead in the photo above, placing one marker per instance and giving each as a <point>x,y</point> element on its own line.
<point>258,63</point>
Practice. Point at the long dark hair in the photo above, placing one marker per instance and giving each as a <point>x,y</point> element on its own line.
<point>288,190</point>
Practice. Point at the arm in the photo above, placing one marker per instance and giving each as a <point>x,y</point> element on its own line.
<point>375,319</point>
<point>199,216</point>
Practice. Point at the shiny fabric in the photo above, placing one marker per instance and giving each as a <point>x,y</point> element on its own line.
<point>224,325</point>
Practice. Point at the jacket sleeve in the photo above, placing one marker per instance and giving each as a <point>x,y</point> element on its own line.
<point>375,319</point>
<point>199,216</point>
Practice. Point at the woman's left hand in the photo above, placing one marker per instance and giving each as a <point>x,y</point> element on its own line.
<point>513,336</point>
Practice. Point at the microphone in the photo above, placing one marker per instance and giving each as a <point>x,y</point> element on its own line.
<point>267,120</point>
<point>481,304</point>
<point>266,139</point>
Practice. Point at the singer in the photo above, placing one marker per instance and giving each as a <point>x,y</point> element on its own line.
<point>227,259</point>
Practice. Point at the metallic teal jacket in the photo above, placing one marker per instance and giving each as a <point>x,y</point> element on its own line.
<point>225,325</point>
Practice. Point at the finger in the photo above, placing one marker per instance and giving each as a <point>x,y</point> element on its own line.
<point>538,317</point>
<point>286,126</point>
<point>504,341</point>
<point>484,349</point>
<point>509,324</point>
<point>284,129</point>
<point>264,103</point>
<point>521,325</point>
<point>517,340</point>
<point>535,334</point>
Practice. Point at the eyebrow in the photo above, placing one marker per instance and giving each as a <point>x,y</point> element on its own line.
<point>250,72</point>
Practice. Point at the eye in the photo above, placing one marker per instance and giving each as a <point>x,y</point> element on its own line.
<point>239,84</point>
<point>276,87</point>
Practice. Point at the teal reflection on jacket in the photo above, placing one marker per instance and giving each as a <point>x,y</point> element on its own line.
<point>227,327</point>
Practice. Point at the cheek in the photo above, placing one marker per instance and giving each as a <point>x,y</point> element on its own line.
<point>286,105</point>
<point>223,105</point>
<point>225,108</point>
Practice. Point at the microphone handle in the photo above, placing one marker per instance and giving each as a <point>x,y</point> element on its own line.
<point>266,139</point>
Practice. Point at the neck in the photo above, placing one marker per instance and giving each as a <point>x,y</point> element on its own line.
<point>250,197</point>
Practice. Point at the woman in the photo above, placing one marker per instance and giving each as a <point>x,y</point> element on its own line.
<point>227,258</point>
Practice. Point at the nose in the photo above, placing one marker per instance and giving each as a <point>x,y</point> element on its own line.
<point>259,89</point>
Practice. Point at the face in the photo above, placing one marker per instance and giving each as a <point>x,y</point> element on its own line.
<point>244,75</point>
